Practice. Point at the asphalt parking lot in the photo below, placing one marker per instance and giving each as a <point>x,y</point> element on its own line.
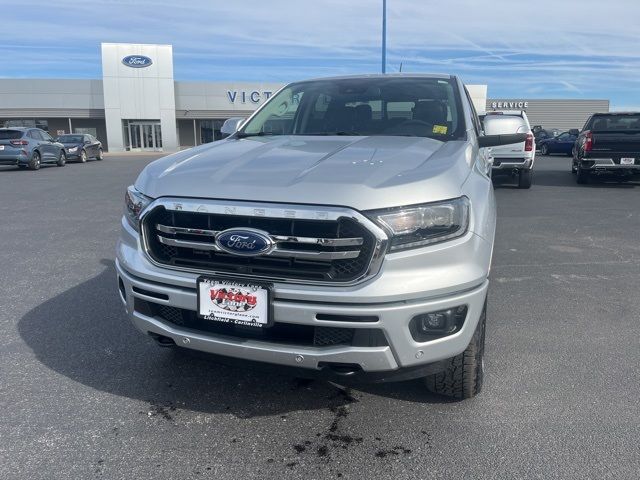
<point>84,395</point>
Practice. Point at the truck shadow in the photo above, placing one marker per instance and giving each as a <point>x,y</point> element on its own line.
<point>84,335</point>
<point>562,178</point>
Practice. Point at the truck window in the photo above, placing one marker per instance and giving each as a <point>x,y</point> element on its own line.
<point>414,106</point>
<point>612,123</point>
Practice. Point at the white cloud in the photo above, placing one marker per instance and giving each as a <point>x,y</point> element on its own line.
<point>567,47</point>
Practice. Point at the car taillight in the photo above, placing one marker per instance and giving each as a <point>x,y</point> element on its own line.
<point>528,143</point>
<point>18,142</point>
<point>588,142</point>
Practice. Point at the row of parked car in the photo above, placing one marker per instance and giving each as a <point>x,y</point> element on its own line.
<point>555,141</point>
<point>32,147</point>
<point>608,144</point>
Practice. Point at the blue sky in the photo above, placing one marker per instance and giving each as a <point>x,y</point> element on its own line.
<point>522,49</point>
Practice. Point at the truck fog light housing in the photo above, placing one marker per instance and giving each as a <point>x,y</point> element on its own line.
<point>432,325</point>
<point>435,321</point>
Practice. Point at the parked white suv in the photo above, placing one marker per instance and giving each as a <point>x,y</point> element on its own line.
<point>517,159</point>
<point>346,229</point>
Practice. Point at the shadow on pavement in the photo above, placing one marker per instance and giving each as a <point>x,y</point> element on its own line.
<point>566,178</point>
<point>15,168</point>
<point>85,335</point>
<point>562,178</point>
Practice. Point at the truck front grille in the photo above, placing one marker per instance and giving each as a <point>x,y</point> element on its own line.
<point>338,250</point>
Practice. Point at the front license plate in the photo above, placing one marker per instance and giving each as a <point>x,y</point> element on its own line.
<point>234,302</point>
<point>627,161</point>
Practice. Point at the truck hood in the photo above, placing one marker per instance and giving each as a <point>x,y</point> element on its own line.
<point>360,172</point>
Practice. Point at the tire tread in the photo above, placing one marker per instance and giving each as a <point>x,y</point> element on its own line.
<point>463,376</point>
<point>525,178</point>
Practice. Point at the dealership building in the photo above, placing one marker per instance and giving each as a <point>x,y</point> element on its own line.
<point>138,106</point>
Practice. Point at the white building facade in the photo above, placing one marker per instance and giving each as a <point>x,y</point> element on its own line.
<point>138,105</point>
<point>139,97</point>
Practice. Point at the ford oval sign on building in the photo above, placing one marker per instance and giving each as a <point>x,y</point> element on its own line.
<point>137,61</point>
<point>244,241</point>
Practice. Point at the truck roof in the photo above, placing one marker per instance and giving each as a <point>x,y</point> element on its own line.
<point>442,76</point>
<point>610,114</point>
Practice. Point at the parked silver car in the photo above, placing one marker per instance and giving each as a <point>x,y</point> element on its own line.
<point>346,229</point>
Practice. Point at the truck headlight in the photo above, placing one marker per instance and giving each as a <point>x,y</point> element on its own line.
<point>134,203</point>
<point>419,225</point>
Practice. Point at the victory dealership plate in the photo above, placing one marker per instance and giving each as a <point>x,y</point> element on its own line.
<point>234,302</point>
<point>627,161</point>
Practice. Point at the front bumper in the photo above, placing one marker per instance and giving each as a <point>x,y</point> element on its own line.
<point>72,155</point>
<point>402,350</point>
<point>450,275</point>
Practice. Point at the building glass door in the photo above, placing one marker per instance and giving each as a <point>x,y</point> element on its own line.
<point>147,136</point>
<point>157,136</point>
<point>134,135</point>
<point>142,135</point>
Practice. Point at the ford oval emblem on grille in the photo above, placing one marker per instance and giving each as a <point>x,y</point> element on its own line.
<point>244,241</point>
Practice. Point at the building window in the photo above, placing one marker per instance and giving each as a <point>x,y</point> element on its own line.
<point>25,122</point>
<point>210,130</point>
<point>87,130</point>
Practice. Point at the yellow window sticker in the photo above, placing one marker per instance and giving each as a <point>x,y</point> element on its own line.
<point>440,129</point>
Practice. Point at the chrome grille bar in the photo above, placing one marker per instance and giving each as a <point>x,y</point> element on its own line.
<point>277,252</point>
<point>190,231</point>
<point>189,244</point>
<point>325,242</point>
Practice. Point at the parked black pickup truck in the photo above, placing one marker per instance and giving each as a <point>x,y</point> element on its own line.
<point>608,144</point>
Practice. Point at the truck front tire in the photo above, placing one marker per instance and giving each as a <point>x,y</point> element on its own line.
<point>465,372</point>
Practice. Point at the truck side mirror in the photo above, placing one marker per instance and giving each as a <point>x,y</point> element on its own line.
<point>231,126</point>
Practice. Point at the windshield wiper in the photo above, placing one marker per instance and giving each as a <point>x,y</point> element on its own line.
<point>257,134</point>
<point>262,134</point>
<point>327,134</point>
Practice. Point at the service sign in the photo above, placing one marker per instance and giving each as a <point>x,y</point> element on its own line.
<point>510,104</point>
<point>237,303</point>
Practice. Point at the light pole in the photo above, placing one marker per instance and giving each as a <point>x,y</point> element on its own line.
<point>384,36</point>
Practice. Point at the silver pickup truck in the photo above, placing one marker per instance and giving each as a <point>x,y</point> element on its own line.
<point>345,229</point>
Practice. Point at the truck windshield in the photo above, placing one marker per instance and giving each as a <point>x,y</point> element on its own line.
<point>615,123</point>
<point>394,106</point>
